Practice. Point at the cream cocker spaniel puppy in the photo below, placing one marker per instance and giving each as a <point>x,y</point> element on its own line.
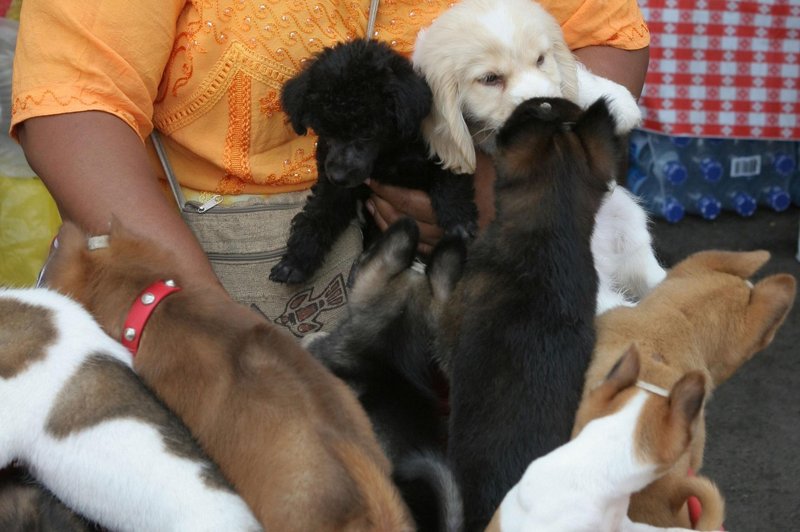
<point>482,58</point>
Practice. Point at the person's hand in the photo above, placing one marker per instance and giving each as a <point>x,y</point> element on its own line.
<point>389,203</point>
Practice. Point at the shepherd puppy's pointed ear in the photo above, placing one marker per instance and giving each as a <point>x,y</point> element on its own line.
<point>597,129</point>
<point>293,100</point>
<point>597,120</point>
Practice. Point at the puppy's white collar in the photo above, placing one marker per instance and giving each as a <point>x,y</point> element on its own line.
<point>97,242</point>
<point>652,388</point>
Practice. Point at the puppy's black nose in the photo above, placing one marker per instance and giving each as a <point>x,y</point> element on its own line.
<point>348,164</point>
<point>343,176</point>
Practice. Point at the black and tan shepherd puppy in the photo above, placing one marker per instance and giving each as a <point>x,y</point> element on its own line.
<point>383,349</point>
<point>366,104</point>
<point>518,334</point>
<point>25,505</point>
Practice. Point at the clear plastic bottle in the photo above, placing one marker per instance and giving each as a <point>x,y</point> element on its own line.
<point>743,166</point>
<point>656,173</point>
<point>779,165</point>
<point>654,195</point>
<point>707,159</point>
<point>682,142</point>
<point>706,172</point>
<point>703,203</point>
<point>740,201</point>
<point>638,141</point>
<point>666,163</point>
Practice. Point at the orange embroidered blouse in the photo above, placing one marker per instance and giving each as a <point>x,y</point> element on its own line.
<point>208,73</point>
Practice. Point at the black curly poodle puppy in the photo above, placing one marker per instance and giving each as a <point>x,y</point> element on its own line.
<point>366,103</point>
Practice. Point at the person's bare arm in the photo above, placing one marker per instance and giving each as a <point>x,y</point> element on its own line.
<point>388,203</point>
<point>96,167</point>
<point>626,67</point>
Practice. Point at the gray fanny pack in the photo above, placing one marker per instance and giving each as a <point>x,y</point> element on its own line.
<point>244,241</point>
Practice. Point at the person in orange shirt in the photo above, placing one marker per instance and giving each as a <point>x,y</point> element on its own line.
<point>93,79</point>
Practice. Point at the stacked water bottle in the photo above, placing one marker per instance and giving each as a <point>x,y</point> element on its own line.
<point>678,175</point>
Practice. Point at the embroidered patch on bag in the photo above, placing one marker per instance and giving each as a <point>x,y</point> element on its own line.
<point>302,311</point>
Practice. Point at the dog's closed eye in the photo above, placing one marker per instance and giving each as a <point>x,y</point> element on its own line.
<point>540,61</point>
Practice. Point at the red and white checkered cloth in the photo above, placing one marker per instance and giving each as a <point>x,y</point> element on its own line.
<point>723,68</point>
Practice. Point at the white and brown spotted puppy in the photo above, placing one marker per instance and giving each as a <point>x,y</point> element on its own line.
<point>705,316</point>
<point>585,485</point>
<point>290,436</point>
<point>73,411</point>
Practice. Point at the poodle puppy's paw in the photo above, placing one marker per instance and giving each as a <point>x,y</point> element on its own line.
<point>287,271</point>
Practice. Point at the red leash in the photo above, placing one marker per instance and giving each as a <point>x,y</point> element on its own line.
<point>695,508</point>
<point>140,312</point>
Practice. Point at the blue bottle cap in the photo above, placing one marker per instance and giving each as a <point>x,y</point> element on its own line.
<point>675,172</point>
<point>681,142</point>
<point>744,204</point>
<point>778,199</point>
<point>672,210</point>
<point>784,164</point>
<point>708,207</point>
<point>712,170</point>
<point>635,179</point>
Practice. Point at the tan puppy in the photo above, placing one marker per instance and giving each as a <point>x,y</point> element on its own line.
<point>290,436</point>
<point>704,316</point>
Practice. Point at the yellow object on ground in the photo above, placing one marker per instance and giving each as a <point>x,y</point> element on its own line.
<point>13,9</point>
<point>28,222</point>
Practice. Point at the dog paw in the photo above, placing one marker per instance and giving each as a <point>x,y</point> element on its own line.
<point>288,273</point>
<point>626,112</point>
<point>466,231</point>
<point>608,298</point>
<point>621,103</point>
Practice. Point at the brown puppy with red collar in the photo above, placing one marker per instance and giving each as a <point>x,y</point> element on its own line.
<point>704,316</point>
<point>290,436</point>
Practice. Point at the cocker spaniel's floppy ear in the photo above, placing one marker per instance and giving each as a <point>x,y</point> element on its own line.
<point>444,129</point>
<point>567,65</point>
<point>293,100</point>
